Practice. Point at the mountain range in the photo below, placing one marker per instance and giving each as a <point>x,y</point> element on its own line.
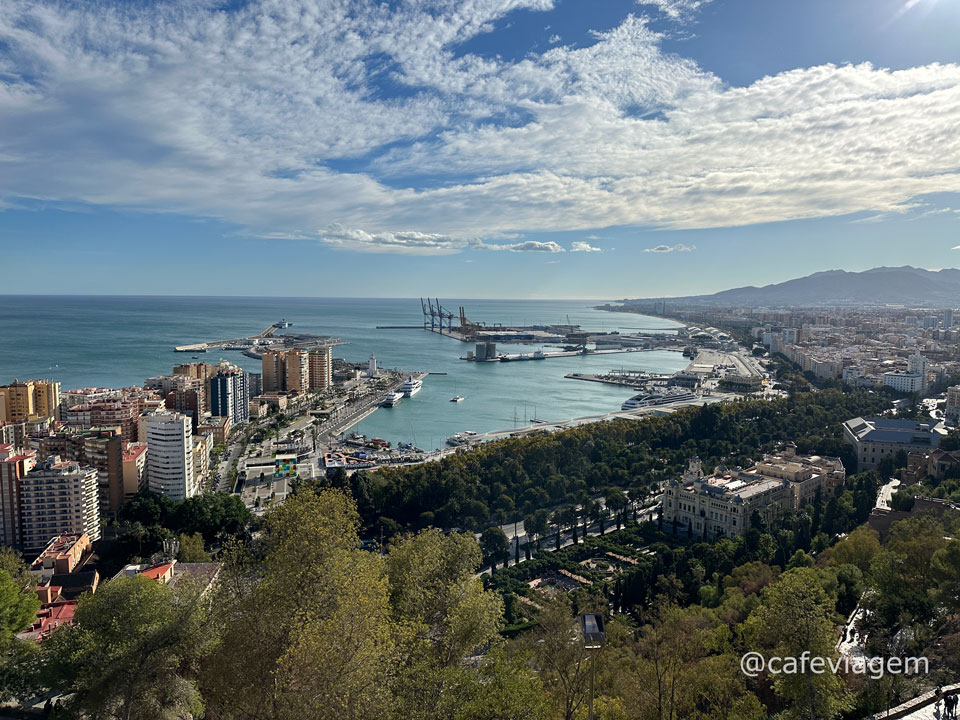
<point>910,286</point>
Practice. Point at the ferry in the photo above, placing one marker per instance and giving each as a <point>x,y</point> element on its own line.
<point>658,397</point>
<point>392,399</point>
<point>411,387</point>
<point>457,398</point>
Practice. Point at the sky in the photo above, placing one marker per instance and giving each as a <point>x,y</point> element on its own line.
<point>473,148</point>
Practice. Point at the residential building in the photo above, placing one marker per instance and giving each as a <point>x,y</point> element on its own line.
<point>321,368</point>
<point>202,447</point>
<point>63,554</point>
<point>285,370</point>
<point>904,382</point>
<point>134,468</point>
<point>229,396</point>
<point>273,365</point>
<point>952,408</point>
<point>13,468</point>
<point>119,413</point>
<point>917,365</point>
<point>100,447</point>
<point>218,427</point>
<point>170,468</point>
<point>948,319</point>
<point>254,384</point>
<point>189,396</point>
<point>59,498</point>
<point>874,438</point>
<point>298,371</point>
<point>21,401</point>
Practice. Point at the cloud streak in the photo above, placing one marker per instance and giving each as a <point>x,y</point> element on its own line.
<point>671,248</point>
<point>370,121</point>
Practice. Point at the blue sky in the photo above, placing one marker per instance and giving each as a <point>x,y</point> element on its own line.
<point>476,148</point>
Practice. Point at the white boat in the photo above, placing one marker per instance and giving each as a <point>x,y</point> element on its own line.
<point>457,440</point>
<point>411,386</point>
<point>457,398</point>
<point>392,399</point>
<point>654,398</point>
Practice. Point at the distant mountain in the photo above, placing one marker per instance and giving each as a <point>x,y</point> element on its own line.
<point>905,285</point>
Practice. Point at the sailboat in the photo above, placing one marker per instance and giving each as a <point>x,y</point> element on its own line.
<point>457,397</point>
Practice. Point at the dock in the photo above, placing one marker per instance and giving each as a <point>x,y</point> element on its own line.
<point>524,357</point>
<point>263,340</point>
<point>629,379</point>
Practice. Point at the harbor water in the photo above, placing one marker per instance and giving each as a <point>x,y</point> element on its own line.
<point>120,341</point>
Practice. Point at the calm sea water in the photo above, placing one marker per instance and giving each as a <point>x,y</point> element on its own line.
<point>120,341</point>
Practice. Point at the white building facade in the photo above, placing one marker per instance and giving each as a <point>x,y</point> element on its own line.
<point>170,468</point>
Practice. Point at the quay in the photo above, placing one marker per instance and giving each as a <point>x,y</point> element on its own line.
<point>520,357</point>
<point>265,339</point>
<point>620,378</point>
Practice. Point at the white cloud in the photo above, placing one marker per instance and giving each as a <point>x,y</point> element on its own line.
<point>283,117</point>
<point>671,248</point>
<point>526,246</point>
<point>580,246</point>
<point>676,9</point>
<point>554,39</point>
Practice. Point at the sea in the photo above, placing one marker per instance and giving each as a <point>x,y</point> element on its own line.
<point>119,341</point>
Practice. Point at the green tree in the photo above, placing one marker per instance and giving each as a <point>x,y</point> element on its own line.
<point>306,620</point>
<point>858,548</point>
<point>797,616</point>
<point>18,607</point>
<point>132,651</point>
<point>495,546</point>
<point>433,587</point>
<point>192,549</point>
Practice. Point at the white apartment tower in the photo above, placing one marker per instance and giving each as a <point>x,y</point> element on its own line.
<point>917,365</point>
<point>170,468</point>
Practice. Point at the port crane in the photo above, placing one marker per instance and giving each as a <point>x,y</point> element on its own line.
<point>434,315</point>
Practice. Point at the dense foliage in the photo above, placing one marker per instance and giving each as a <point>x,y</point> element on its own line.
<point>516,476</point>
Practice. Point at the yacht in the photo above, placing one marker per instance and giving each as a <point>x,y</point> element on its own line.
<point>652,398</point>
<point>411,387</point>
<point>457,398</point>
<point>392,399</point>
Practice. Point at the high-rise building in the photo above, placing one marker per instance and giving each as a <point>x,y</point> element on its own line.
<point>254,384</point>
<point>58,498</point>
<point>917,365</point>
<point>273,364</point>
<point>21,401</point>
<point>286,370</point>
<point>111,413</point>
<point>229,396</point>
<point>952,409</point>
<point>101,448</point>
<point>948,319</point>
<point>170,469</point>
<point>321,369</point>
<point>13,467</point>
<point>298,371</point>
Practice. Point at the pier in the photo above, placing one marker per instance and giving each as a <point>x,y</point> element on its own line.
<point>524,357</point>
<point>265,339</point>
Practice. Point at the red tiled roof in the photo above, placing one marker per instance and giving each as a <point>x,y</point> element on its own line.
<point>157,571</point>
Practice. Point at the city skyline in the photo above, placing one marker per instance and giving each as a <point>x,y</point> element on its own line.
<point>528,149</point>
